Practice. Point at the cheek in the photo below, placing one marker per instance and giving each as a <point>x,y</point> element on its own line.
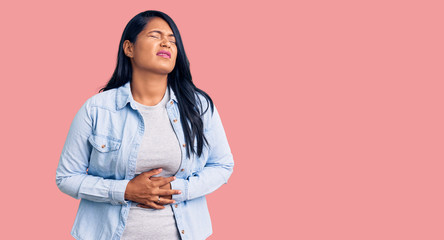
<point>145,56</point>
<point>145,50</point>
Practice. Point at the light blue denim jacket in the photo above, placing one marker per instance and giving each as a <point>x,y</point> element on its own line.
<point>99,159</point>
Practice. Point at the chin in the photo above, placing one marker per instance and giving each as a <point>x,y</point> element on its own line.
<point>160,69</point>
<point>167,70</point>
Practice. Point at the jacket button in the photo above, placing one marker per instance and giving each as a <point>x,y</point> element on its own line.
<point>183,145</point>
<point>103,146</point>
<point>182,170</point>
<point>183,231</point>
<point>175,205</point>
<point>171,102</point>
<point>175,120</point>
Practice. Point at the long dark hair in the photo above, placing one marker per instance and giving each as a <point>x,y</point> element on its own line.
<point>179,80</point>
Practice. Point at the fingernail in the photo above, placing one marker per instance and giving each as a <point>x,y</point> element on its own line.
<point>179,192</point>
<point>159,169</point>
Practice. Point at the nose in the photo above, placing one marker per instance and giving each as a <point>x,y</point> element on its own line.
<point>165,43</point>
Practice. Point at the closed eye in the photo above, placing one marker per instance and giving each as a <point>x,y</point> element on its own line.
<point>158,37</point>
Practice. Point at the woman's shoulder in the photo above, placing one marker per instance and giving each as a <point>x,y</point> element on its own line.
<point>105,99</point>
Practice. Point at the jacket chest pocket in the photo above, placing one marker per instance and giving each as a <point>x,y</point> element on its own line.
<point>104,155</point>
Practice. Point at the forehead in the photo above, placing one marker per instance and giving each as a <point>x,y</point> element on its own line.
<point>157,23</point>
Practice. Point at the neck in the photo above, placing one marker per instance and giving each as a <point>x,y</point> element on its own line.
<point>148,88</point>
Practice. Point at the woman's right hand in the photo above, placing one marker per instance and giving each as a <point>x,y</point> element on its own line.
<point>145,191</point>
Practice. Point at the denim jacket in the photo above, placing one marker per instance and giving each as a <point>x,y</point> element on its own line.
<point>99,157</point>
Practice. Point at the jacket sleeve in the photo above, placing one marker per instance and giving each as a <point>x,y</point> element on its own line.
<point>218,168</point>
<point>71,174</point>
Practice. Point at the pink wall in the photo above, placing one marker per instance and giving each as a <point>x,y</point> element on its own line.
<point>333,111</point>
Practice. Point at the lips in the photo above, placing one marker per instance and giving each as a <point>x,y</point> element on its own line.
<point>164,54</point>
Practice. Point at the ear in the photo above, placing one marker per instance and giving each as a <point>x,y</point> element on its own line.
<point>128,48</point>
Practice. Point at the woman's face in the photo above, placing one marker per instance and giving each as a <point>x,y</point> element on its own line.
<point>144,53</point>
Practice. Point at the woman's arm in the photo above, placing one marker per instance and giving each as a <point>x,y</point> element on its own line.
<point>71,174</point>
<point>218,167</point>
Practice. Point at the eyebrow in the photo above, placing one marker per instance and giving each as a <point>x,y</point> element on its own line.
<point>157,31</point>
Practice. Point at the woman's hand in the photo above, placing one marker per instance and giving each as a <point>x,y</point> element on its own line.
<point>147,191</point>
<point>166,186</point>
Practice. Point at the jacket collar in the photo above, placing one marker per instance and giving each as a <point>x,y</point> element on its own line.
<point>124,96</point>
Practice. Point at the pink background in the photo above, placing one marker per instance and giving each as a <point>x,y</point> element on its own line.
<point>333,111</point>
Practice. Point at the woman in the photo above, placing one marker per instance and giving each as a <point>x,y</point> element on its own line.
<point>143,152</point>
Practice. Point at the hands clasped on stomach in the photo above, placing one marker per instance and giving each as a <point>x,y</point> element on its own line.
<point>149,191</point>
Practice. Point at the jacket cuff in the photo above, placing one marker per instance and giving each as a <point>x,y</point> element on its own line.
<point>118,192</point>
<point>182,185</point>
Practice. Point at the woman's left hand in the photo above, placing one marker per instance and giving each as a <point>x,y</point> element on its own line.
<point>166,186</point>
